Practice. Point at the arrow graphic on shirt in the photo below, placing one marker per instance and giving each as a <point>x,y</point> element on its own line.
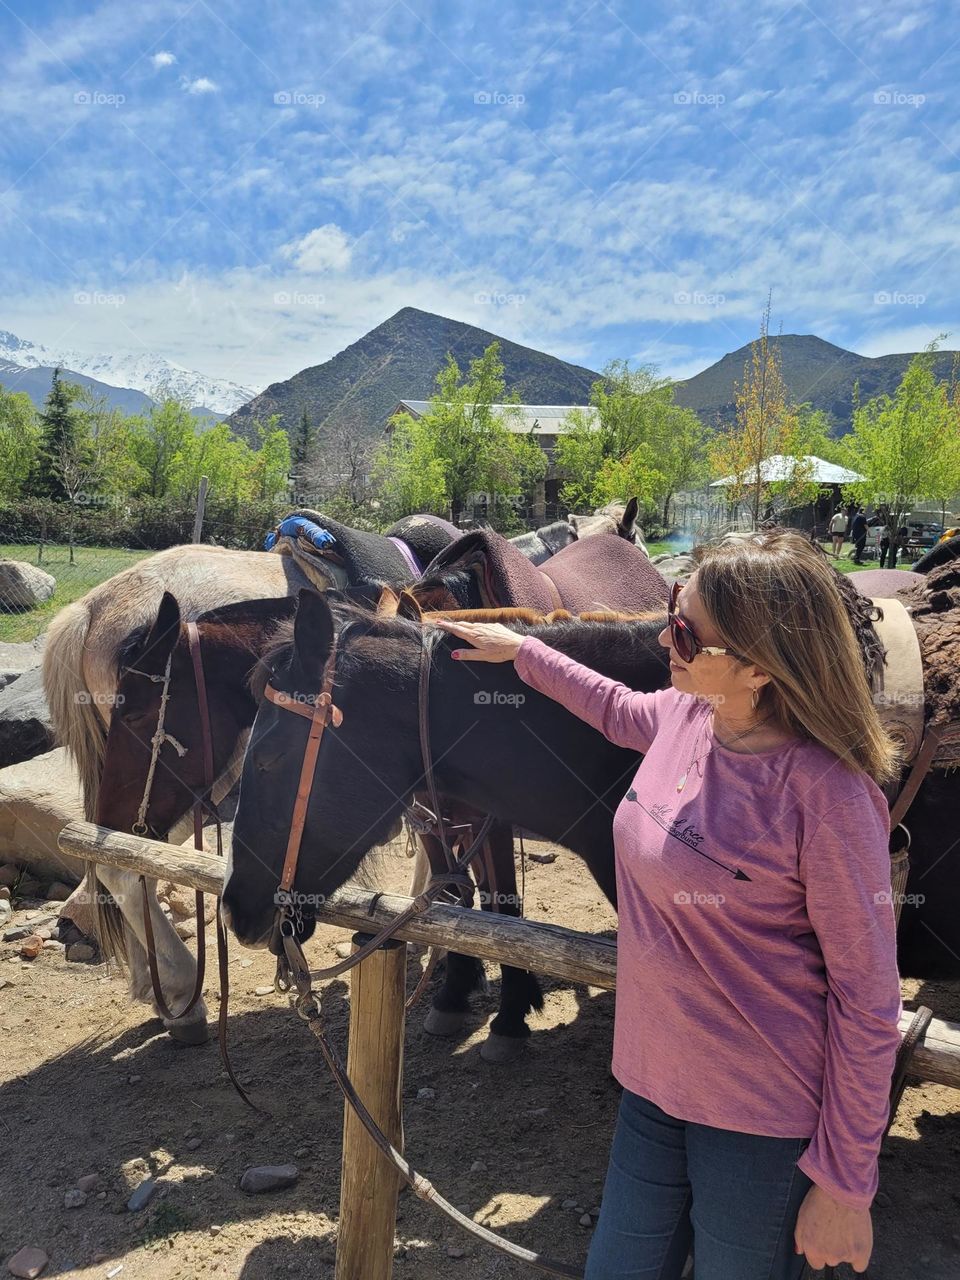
<point>733,871</point>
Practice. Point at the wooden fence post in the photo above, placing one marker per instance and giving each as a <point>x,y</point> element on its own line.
<point>368,1183</point>
<point>198,513</point>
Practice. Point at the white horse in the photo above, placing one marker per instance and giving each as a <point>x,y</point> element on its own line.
<point>81,671</point>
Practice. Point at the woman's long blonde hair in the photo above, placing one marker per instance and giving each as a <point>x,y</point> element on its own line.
<point>774,598</point>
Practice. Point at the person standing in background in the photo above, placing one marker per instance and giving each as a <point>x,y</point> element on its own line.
<point>858,534</point>
<point>838,531</point>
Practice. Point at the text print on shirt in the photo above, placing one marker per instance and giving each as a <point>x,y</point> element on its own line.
<point>687,835</point>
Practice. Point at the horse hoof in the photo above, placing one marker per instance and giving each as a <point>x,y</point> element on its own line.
<point>444,1022</point>
<point>189,1032</point>
<point>502,1049</point>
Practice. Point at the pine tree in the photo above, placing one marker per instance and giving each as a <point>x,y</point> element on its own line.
<point>60,432</point>
<point>303,443</point>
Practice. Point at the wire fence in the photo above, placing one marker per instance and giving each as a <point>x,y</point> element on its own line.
<point>41,569</point>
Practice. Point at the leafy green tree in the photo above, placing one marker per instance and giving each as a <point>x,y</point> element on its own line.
<point>766,426</point>
<point>268,470</point>
<point>635,440</point>
<point>463,439</point>
<point>905,445</point>
<point>19,442</point>
<point>158,442</point>
<point>408,475</point>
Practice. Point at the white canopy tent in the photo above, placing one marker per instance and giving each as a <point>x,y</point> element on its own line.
<point>780,466</point>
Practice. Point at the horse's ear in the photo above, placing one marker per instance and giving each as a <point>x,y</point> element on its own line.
<point>408,606</point>
<point>388,603</point>
<point>162,637</point>
<point>312,635</point>
<point>628,520</point>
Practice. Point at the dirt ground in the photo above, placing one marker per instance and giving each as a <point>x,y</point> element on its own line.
<point>91,1084</point>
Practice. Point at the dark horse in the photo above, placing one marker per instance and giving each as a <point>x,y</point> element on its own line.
<point>232,642</point>
<point>232,638</point>
<point>530,763</point>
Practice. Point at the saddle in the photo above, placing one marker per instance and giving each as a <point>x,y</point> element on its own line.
<point>595,573</point>
<point>348,557</point>
<point>901,703</point>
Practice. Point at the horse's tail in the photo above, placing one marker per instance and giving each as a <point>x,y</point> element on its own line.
<point>79,727</point>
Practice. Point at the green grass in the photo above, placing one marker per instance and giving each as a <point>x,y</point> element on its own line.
<point>91,566</point>
<point>844,564</point>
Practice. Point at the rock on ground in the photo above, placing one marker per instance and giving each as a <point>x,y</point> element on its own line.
<point>23,586</point>
<point>15,659</point>
<point>38,798</point>
<point>25,728</point>
<point>268,1177</point>
<point>27,1263</point>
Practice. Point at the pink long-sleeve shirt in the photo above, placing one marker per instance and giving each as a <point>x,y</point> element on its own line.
<point>757,984</point>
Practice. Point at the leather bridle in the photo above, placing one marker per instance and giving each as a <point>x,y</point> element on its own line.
<point>140,828</point>
<point>321,711</point>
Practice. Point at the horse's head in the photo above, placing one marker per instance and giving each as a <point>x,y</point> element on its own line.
<point>367,765</point>
<point>157,673</point>
<point>616,517</point>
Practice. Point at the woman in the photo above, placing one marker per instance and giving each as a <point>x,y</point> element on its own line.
<point>758,998</point>
<point>838,531</point>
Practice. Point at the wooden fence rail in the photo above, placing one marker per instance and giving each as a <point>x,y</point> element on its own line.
<point>368,1183</point>
<point>549,949</point>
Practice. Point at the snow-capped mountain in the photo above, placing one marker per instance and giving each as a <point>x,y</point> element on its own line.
<point>154,375</point>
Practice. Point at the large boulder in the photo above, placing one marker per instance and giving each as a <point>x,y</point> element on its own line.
<point>23,586</point>
<point>15,659</point>
<point>25,728</point>
<point>38,798</point>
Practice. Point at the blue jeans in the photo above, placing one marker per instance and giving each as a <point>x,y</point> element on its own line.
<point>670,1183</point>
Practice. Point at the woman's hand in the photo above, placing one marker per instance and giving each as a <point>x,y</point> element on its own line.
<point>492,642</point>
<point>830,1232</point>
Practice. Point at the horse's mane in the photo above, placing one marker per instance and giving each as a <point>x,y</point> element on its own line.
<point>593,633</point>
<point>935,609</point>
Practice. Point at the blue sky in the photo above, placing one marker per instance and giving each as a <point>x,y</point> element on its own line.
<point>248,187</point>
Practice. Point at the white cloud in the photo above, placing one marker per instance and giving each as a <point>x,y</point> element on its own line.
<point>200,85</point>
<point>163,59</point>
<point>326,248</point>
<point>913,337</point>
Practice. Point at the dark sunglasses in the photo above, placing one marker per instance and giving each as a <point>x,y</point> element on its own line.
<point>681,633</point>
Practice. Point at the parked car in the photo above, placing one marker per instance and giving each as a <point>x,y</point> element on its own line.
<point>923,535</point>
